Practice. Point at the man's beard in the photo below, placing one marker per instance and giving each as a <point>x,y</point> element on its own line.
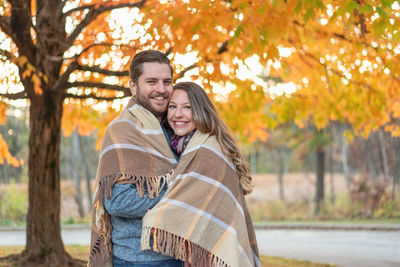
<point>145,102</point>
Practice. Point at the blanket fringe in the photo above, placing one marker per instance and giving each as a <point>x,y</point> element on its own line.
<point>152,185</point>
<point>101,219</point>
<point>179,248</point>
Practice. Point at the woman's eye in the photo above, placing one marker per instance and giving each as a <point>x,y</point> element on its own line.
<point>187,107</point>
<point>171,106</point>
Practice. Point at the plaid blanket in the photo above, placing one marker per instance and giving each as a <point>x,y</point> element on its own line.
<point>203,217</point>
<point>134,150</point>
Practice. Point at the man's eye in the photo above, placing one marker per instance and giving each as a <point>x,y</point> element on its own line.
<point>151,82</point>
<point>168,82</point>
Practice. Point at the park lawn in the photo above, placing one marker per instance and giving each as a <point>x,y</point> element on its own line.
<point>82,252</point>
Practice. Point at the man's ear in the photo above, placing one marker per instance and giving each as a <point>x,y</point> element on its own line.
<point>133,87</point>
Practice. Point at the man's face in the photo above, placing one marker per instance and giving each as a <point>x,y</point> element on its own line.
<point>154,88</point>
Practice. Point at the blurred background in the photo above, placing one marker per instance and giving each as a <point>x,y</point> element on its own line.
<point>360,178</point>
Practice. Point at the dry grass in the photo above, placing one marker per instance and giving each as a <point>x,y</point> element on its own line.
<point>297,187</point>
<point>82,252</point>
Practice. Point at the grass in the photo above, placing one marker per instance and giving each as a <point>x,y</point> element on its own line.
<point>281,262</point>
<point>81,252</point>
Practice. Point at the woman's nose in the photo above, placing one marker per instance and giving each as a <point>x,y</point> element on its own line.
<point>178,112</point>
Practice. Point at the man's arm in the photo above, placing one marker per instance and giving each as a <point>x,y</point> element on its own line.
<point>125,202</point>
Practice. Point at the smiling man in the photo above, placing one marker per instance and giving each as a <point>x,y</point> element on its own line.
<point>135,166</point>
<point>151,85</point>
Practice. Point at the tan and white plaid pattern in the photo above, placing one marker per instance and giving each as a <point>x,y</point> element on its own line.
<point>134,150</point>
<point>203,217</point>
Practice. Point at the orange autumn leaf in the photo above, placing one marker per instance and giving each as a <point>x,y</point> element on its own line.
<point>3,116</point>
<point>5,155</point>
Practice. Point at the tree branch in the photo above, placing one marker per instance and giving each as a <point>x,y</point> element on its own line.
<point>79,8</point>
<point>7,54</point>
<point>93,13</point>
<point>20,26</point>
<point>103,71</point>
<point>63,79</point>
<point>338,73</point>
<point>182,73</point>
<point>115,87</point>
<point>5,25</point>
<point>93,96</point>
<point>224,47</point>
<point>87,48</point>
<point>20,95</point>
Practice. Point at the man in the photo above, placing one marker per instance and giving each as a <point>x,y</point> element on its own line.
<point>135,165</point>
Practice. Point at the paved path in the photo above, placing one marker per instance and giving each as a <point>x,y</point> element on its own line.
<point>343,248</point>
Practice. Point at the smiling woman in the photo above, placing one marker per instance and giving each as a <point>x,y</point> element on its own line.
<point>206,190</point>
<point>190,108</point>
<point>180,113</point>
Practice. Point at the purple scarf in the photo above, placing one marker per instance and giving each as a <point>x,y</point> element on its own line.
<point>179,143</point>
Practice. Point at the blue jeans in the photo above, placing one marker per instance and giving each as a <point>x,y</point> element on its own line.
<point>117,262</point>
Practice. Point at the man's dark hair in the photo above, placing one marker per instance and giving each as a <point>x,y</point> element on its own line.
<point>136,68</point>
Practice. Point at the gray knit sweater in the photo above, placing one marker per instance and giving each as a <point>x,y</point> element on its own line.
<point>127,209</point>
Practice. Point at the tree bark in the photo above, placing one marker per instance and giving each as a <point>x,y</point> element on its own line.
<point>44,246</point>
<point>319,196</point>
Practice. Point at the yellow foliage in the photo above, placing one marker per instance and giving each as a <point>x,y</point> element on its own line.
<point>79,116</point>
<point>5,154</point>
<point>3,116</point>
<point>342,72</point>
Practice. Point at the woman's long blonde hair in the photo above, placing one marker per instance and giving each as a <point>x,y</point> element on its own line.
<point>207,120</point>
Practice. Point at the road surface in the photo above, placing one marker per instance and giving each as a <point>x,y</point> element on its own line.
<point>342,248</point>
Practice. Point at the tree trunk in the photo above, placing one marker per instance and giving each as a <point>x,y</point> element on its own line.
<point>44,246</point>
<point>4,168</point>
<point>279,168</point>
<point>253,162</point>
<point>383,154</point>
<point>319,196</point>
<point>281,172</point>
<point>369,157</point>
<point>332,182</point>
<point>88,173</point>
<point>395,145</point>
<point>345,163</point>
<point>74,162</point>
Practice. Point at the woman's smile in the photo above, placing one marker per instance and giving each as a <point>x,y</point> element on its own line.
<point>180,113</point>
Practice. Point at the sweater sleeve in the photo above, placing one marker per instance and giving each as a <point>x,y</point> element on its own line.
<point>125,202</point>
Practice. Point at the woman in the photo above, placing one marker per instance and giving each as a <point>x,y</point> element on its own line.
<point>203,218</point>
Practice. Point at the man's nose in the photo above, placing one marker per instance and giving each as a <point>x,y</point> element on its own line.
<point>160,87</point>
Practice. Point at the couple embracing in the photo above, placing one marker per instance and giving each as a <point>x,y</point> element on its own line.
<point>171,179</point>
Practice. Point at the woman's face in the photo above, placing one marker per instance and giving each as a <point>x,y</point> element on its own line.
<point>180,113</point>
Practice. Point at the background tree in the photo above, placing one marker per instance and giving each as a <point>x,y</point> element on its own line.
<point>55,45</point>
